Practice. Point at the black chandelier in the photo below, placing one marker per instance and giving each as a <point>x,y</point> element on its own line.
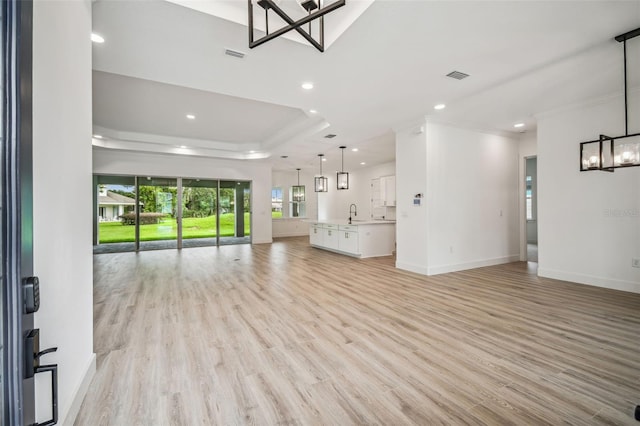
<point>342,177</point>
<point>609,153</point>
<point>309,6</point>
<point>321,182</point>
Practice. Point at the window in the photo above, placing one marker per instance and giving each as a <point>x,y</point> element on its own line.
<point>296,203</point>
<point>529,194</point>
<point>276,202</point>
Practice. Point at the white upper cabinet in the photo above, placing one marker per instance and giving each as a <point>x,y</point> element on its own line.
<point>388,191</point>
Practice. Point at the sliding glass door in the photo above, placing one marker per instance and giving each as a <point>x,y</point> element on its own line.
<point>158,219</point>
<point>115,213</point>
<point>235,212</point>
<point>199,212</point>
<point>170,213</point>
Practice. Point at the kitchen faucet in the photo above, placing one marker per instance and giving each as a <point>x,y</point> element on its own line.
<point>355,211</point>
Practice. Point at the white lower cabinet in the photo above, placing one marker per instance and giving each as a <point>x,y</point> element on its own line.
<point>330,237</point>
<point>348,239</point>
<point>316,232</point>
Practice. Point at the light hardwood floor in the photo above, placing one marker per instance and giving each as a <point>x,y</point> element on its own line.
<point>288,334</point>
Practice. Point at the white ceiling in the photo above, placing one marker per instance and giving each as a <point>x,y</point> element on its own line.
<point>161,61</point>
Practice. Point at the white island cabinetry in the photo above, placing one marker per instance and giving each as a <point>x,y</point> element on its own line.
<point>360,239</point>
<point>330,237</point>
<point>348,239</point>
<point>316,234</point>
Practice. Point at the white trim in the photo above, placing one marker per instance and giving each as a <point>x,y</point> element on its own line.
<point>435,270</point>
<point>418,269</point>
<point>630,286</point>
<point>80,392</point>
<point>303,233</point>
<point>265,241</point>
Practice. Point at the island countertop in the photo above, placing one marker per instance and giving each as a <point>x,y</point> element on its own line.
<point>353,222</point>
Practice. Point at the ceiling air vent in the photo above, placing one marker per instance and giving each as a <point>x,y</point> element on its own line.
<point>234,53</point>
<point>457,75</point>
<point>330,136</point>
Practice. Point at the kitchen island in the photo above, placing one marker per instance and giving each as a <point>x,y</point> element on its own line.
<point>361,238</point>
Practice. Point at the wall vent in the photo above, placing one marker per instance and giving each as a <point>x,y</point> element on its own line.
<point>234,53</point>
<point>330,136</point>
<point>457,75</point>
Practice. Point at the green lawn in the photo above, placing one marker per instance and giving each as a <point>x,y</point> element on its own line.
<point>194,227</point>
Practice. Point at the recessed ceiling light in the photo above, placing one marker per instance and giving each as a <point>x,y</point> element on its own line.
<point>363,163</point>
<point>97,136</point>
<point>97,38</point>
<point>191,116</point>
<point>440,106</point>
<point>284,156</point>
<point>313,111</point>
<point>324,159</point>
<point>354,149</point>
<point>517,125</point>
<point>307,86</point>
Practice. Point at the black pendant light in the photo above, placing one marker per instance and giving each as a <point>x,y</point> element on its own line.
<point>608,153</point>
<point>342,180</point>
<point>297,191</point>
<point>315,11</point>
<point>321,182</point>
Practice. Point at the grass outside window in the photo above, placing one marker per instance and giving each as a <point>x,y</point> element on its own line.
<point>193,227</point>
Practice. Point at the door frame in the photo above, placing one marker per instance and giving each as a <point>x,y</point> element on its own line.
<point>523,205</point>
<point>17,203</point>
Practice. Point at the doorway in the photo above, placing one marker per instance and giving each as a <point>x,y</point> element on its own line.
<point>531,207</point>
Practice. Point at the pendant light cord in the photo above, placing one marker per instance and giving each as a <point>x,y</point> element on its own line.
<point>626,121</point>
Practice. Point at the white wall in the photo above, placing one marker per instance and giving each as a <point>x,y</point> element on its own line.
<point>145,164</point>
<point>62,199</point>
<point>289,227</point>
<point>411,179</point>
<point>588,222</point>
<point>471,199</point>
<point>335,204</point>
<point>469,213</point>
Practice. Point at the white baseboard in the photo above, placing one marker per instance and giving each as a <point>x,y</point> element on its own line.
<point>418,269</point>
<point>81,390</point>
<point>304,233</point>
<point>443,269</point>
<point>614,284</point>
<point>266,241</point>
